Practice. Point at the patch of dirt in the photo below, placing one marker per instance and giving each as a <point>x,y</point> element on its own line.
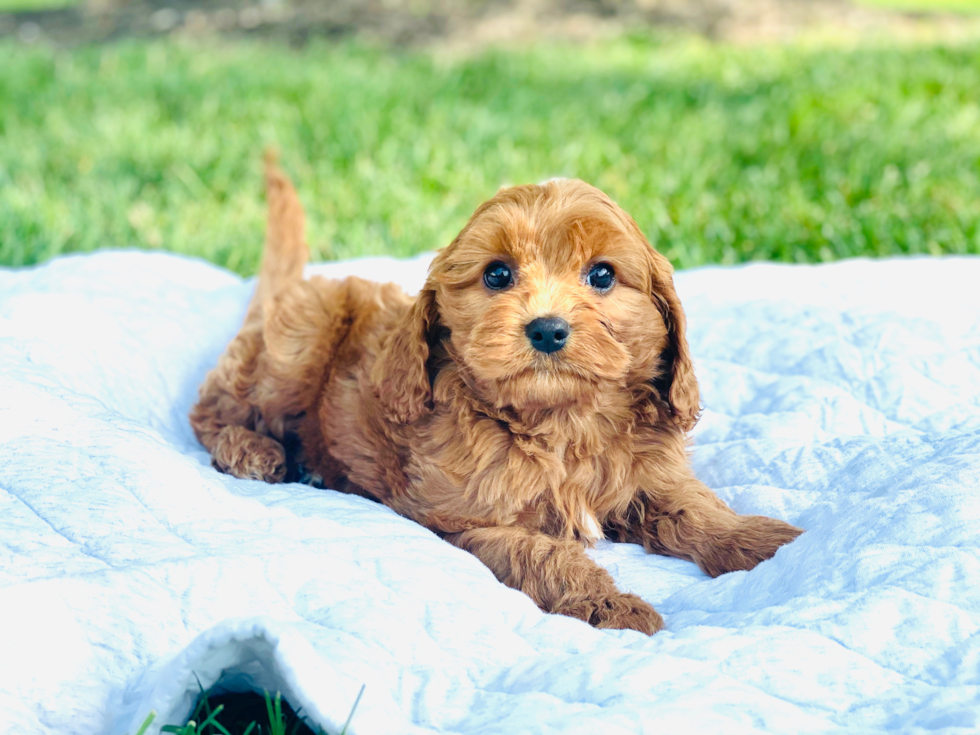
<point>468,24</point>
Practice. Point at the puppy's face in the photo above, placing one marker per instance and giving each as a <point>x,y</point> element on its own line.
<point>550,293</point>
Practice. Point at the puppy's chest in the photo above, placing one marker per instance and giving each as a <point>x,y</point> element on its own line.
<point>538,479</point>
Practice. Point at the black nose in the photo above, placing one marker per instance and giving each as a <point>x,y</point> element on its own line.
<point>547,334</point>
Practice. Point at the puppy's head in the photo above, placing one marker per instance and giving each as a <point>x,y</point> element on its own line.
<point>550,295</point>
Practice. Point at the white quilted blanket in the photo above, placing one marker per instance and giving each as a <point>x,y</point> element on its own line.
<point>842,398</point>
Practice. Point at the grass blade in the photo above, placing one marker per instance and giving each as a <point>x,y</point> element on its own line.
<point>146,723</point>
<point>268,709</point>
<point>353,710</point>
<point>212,721</point>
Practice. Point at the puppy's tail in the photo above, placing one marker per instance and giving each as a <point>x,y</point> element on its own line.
<point>286,251</point>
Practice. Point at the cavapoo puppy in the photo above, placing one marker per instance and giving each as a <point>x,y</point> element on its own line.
<point>533,398</point>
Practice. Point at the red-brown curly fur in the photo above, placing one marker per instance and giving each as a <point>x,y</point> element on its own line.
<point>439,407</point>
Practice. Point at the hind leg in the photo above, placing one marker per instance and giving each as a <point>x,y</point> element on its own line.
<point>250,456</point>
<point>225,418</point>
<point>269,378</point>
<point>249,402</point>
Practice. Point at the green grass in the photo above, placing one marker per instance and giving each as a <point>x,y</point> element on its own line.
<point>16,6</point>
<point>243,714</point>
<point>926,6</point>
<point>722,154</point>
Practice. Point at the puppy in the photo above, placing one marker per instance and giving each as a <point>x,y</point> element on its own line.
<point>533,398</point>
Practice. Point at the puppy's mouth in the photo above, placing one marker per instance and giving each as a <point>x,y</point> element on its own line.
<point>545,386</point>
<point>547,367</point>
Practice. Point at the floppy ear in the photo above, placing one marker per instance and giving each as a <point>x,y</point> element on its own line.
<point>677,385</point>
<point>399,374</point>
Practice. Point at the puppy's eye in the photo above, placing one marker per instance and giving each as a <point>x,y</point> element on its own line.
<point>498,276</point>
<point>601,277</point>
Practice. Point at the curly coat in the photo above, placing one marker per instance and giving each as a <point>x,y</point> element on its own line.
<point>440,408</point>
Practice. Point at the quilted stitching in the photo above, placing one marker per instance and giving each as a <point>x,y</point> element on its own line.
<point>833,400</point>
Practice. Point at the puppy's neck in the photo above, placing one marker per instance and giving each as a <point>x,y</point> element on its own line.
<point>586,426</point>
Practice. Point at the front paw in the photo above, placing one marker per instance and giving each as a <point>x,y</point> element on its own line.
<point>619,610</point>
<point>753,540</point>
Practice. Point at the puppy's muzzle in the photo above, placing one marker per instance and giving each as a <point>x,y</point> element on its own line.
<point>547,334</point>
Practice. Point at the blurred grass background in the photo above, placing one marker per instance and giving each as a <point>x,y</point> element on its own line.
<point>28,5</point>
<point>722,152</point>
<point>913,6</point>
